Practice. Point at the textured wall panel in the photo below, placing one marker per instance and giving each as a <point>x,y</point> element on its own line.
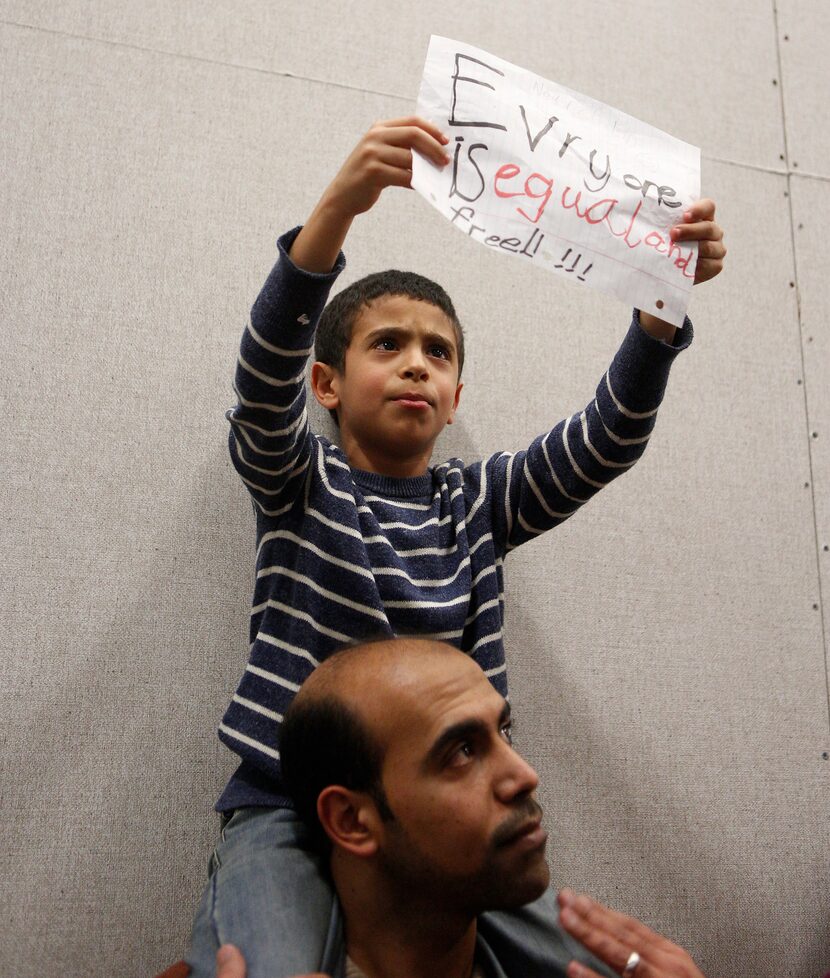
<point>803,29</point>
<point>668,666</point>
<point>811,212</point>
<point>696,70</point>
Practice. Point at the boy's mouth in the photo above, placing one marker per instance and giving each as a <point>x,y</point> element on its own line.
<point>412,399</point>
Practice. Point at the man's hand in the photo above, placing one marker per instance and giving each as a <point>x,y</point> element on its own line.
<point>231,964</point>
<point>612,937</point>
<point>382,158</point>
<point>699,225</point>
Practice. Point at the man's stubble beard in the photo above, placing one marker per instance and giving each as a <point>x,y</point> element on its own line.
<point>500,883</point>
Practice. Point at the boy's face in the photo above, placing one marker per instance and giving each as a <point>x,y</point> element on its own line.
<point>399,386</point>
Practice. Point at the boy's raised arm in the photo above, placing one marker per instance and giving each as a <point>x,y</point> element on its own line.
<point>382,158</point>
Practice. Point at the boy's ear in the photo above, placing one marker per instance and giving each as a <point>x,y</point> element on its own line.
<point>324,384</point>
<point>350,819</point>
<point>451,418</point>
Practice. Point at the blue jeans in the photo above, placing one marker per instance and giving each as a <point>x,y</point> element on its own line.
<point>269,893</point>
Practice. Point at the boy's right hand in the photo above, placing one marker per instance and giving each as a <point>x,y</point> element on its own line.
<point>382,158</point>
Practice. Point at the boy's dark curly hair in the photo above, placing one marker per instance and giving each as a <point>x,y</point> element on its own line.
<point>334,330</point>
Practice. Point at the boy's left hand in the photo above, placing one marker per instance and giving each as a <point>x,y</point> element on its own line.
<point>699,225</point>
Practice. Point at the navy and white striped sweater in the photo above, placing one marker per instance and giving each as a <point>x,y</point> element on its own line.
<point>344,555</point>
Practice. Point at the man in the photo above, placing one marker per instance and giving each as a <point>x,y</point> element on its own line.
<point>399,757</point>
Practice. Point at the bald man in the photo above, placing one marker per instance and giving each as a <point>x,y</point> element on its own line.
<point>399,757</point>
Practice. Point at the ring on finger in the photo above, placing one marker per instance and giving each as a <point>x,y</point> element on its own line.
<point>631,965</point>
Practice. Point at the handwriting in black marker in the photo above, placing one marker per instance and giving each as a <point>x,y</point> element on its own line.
<point>575,262</point>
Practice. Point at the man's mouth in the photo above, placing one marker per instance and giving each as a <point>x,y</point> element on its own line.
<point>524,829</point>
<point>530,836</point>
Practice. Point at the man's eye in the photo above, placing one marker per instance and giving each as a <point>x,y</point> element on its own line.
<point>462,754</point>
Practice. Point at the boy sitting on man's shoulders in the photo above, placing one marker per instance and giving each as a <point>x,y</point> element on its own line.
<point>366,539</point>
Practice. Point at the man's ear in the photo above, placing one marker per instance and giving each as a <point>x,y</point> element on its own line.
<point>350,819</point>
<point>325,384</point>
<point>451,418</point>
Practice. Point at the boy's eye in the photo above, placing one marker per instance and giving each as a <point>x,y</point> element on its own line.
<point>437,350</point>
<point>386,343</point>
<point>507,732</point>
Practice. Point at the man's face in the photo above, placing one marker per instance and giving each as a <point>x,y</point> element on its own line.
<point>400,384</point>
<point>466,827</point>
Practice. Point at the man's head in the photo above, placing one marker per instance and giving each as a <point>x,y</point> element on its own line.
<point>389,353</point>
<point>401,752</point>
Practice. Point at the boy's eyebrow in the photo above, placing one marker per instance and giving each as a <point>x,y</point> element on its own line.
<point>431,336</point>
<point>464,730</point>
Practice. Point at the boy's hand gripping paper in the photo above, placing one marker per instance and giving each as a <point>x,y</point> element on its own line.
<point>556,178</point>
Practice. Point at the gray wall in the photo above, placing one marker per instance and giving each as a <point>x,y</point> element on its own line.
<point>667,645</point>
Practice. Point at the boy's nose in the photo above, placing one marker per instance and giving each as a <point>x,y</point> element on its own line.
<point>415,366</point>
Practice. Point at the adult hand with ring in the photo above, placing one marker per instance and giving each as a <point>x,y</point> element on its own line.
<point>625,944</point>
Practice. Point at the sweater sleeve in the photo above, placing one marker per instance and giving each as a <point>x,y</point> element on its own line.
<point>270,441</point>
<point>536,489</point>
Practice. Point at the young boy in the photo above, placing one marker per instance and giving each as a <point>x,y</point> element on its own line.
<point>366,539</point>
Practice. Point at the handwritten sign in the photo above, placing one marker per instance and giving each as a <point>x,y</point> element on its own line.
<point>556,178</point>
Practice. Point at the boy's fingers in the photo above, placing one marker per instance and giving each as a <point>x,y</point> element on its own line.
<point>700,210</point>
<point>391,176</point>
<point>712,249</point>
<point>699,231</point>
<point>418,122</point>
<point>396,156</point>
<point>411,137</point>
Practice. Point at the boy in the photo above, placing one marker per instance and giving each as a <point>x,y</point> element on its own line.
<point>366,539</point>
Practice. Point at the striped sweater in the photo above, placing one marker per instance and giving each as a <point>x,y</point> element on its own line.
<point>344,554</point>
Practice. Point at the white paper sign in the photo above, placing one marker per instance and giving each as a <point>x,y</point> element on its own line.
<point>559,179</point>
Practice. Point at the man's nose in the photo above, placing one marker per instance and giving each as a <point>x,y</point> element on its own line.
<point>516,777</point>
